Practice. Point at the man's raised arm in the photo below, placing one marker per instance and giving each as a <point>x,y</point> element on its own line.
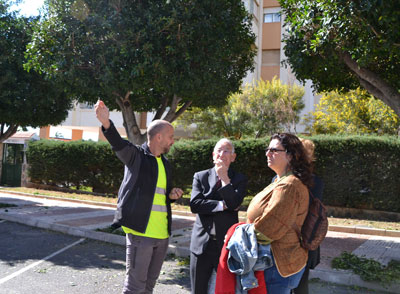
<point>102,114</point>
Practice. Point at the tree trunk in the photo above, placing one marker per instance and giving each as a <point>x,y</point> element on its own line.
<point>130,123</point>
<point>173,113</point>
<point>374,84</point>
<point>12,129</point>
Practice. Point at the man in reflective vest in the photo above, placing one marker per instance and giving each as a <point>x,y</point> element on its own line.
<point>144,200</point>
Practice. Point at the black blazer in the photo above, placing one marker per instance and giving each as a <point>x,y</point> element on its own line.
<point>205,197</point>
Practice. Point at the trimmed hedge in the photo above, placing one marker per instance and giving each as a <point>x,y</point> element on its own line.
<point>75,164</point>
<point>358,171</point>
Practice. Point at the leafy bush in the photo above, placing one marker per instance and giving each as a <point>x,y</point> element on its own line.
<point>355,112</point>
<point>76,163</point>
<point>260,108</point>
<point>368,269</point>
<point>358,171</point>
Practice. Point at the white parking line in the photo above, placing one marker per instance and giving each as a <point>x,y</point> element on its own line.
<point>9,277</point>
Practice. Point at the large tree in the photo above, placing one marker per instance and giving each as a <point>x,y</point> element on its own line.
<point>153,55</point>
<point>344,44</point>
<point>26,99</point>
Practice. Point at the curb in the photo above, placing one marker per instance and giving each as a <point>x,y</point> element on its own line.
<point>104,204</point>
<point>342,229</point>
<point>78,232</point>
<point>342,277</point>
<point>365,231</point>
<point>84,233</point>
<point>345,277</point>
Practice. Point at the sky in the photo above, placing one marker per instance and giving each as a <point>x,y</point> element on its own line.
<point>30,7</point>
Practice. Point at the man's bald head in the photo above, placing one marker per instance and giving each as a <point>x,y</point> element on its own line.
<point>157,126</point>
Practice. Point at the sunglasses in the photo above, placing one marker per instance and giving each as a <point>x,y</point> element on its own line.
<point>274,150</point>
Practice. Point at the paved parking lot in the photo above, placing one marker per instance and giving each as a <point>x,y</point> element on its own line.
<point>34,260</point>
<point>39,261</point>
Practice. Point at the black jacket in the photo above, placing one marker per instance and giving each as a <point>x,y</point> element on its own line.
<point>205,197</point>
<point>136,193</point>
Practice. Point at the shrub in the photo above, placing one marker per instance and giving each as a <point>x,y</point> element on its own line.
<point>358,171</point>
<point>75,164</point>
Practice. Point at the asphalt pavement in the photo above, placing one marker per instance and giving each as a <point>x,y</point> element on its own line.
<point>83,218</point>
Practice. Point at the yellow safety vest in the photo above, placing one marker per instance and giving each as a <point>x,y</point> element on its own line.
<point>158,223</point>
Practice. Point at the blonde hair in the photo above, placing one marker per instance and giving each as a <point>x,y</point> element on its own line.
<point>309,147</point>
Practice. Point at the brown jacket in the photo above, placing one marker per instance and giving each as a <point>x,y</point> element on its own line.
<point>273,212</point>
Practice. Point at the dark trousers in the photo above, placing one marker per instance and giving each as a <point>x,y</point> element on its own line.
<point>202,266</point>
<point>302,288</point>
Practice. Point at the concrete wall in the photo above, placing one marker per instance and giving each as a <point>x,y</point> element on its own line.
<point>270,3</point>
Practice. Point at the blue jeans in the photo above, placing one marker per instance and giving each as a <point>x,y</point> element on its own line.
<point>276,284</point>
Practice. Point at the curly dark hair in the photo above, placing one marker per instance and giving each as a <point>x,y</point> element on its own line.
<point>300,164</point>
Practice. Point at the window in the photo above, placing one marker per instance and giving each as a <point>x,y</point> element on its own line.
<point>271,57</point>
<point>272,17</point>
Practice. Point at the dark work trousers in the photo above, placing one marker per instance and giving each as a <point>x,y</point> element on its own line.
<point>144,258</point>
<point>202,266</point>
<point>302,288</point>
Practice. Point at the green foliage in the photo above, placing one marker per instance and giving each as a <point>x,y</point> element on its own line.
<point>184,261</point>
<point>112,230</point>
<point>345,44</point>
<point>368,269</point>
<point>353,113</point>
<point>26,99</point>
<point>367,167</point>
<point>259,109</point>
<point>77,163</point>
<point>188,157</point>
<point>214,122</point>
<point>6,205</point>
<point>145,55</point>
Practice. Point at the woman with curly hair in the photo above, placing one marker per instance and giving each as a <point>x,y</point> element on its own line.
<point>280,207</point>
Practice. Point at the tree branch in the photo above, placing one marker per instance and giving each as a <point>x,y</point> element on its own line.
<point>12,129</point>
<point>182,109</point>
<point>171,113</point>
<point>373,83</point>
<point>163,106</point>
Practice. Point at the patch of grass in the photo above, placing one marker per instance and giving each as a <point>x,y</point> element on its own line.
<point>368,269</point>
<point>386,225</point>
<point>6,205</point>
<point>63,194</point>
<point>82,188</point>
